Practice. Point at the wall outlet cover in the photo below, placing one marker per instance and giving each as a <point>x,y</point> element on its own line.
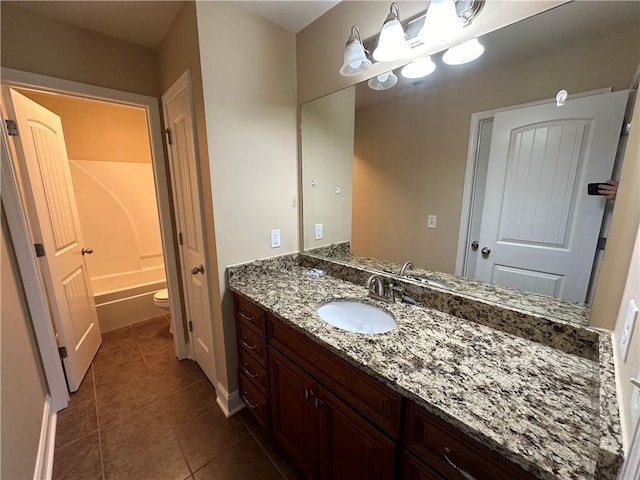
<point>275,238</point>
<point>432,221</point>
<point>627,330</point>
<point>319,231</point>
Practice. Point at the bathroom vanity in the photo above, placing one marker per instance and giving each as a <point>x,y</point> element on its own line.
<point>439,396</point>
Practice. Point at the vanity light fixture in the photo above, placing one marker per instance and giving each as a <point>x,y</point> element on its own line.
<point>384,81</point>
<point>392,43</point>
<point>464,53</point>
<point>441,22</point>
<point>355,56</point>
<point>420,67</point>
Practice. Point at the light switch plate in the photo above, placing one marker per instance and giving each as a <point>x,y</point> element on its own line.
<point>627,330</point>
<point>432,221</point>
<point>319,231</point>
<point>275,238</point>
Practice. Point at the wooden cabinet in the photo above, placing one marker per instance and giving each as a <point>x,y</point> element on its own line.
<point>450,452</point>
<point>325,437</point>
<point>336,422</point>
<point>252,359</point>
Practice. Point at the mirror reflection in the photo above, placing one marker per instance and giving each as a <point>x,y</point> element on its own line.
<point>394,171</point>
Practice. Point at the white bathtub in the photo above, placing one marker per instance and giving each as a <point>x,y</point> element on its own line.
<point>119,307</point>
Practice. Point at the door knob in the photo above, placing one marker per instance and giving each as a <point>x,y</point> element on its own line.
<point>197,270</point>
<point>474,245</point>
<point>86,251</point>
<point>485,251</point>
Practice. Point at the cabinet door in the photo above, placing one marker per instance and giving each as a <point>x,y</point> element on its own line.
<point>350,447</point>
<point>293,417</point>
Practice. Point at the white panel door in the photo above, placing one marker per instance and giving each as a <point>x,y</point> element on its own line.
<point>186,195</point>
<point>53,215</point>
<point>539,227</point>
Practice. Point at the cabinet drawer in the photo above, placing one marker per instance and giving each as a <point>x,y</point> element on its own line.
<point>373,400</point>
<point>255,401</point>
<point>252,370</point>
<point>414,469</point>
<point>442,446</point>
<point>250,314</point>
<point>252,343</point>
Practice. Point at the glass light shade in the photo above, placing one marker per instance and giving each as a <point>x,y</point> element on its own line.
<point>420,67</point>
<point>464,53</point>
<point>441,22</point>
<point>392,43</point>
<point>355,59</point>
<point>384,81</point>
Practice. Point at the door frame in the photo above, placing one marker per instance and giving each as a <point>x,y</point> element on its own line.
<point>474,159</point>
<point>32,81</point>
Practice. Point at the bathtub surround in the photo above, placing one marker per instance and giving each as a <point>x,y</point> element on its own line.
<point>549,410</point>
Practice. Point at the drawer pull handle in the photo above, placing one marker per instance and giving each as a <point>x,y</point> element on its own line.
<point>318,403</point>
<point>308,393</point>
<point>249,404</point>
<point>246,370</point>
<point>246,345</point>
<point>246,317</point>
<point>466,475</point>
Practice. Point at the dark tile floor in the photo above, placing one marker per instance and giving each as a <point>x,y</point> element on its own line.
<point>141,414</point>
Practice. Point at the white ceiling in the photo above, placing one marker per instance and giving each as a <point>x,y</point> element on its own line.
<point>146,22</point>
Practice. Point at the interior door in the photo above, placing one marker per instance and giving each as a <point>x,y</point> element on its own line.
<point>46,182</point>
<point>186,196</point>
<point>539,227</point>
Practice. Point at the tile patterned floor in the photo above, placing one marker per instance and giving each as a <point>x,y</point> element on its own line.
<point>141,414</point>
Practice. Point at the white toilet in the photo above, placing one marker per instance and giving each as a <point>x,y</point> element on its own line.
<point>161,300</point>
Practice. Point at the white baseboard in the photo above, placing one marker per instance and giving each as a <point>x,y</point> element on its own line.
<point>230,404</point>
<point>44,460</point>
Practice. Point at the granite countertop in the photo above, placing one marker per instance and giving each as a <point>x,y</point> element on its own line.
<point>552,412</point>
<point>504,297</point>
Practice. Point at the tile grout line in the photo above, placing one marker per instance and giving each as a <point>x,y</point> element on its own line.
<point>284,476</point>
<point>95,399</point>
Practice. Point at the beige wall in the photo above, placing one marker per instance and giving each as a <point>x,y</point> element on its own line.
<point>250,107</point>
<point>37,44</point>
<point>619,279</point>
<point>23,388</point>
<point>411,151</point>
<point>99,131</point>
<point>327,129</point>
<point>320,46</point>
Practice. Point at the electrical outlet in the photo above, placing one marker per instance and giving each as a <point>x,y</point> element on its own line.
<point>319,231</point>
<point>432,221</point>
<point>627,330</point>
<point>275,238</point>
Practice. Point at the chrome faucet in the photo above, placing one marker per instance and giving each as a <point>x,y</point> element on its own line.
<point>405,267</point>
<point>375,286</point>
<point>377,289</point>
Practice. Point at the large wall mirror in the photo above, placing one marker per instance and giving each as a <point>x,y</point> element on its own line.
<point>377,164</point>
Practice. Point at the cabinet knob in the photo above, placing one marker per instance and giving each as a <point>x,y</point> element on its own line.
<point>474,245</point>
<point>86,251</point>
<point>197,270</point>
<point>485,251</point>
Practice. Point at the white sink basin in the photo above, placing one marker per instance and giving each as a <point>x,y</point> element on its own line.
<point>356,317</point>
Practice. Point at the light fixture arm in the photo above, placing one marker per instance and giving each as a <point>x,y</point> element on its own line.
<point>355,35</point>
<point>394,13</point>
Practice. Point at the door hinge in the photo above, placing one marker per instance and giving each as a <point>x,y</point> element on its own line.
<point>63,352</point>
<point>602,241</point>
<point>626,128</point>
<point>39,249</point>
<point>180,241</point>
<point>12,128</point>
<point>190,326</point>
<point>167,132</point>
